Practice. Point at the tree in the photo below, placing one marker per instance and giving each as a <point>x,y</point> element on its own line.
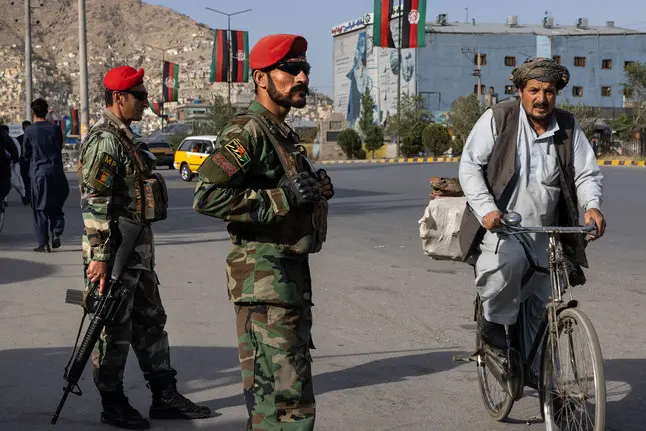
<point>411,146</point>
<point>176,139</point>
<point>414,118</point>
<point>587,116</point>
<point>350,142</point>
<point>366,119</point>
<point>374,139</point>
<point>635,92</point>
<point>436,139</point>
<point>623,127</point>
<point>463,115</point>
<point>219,114</point>
<point>309,136</point>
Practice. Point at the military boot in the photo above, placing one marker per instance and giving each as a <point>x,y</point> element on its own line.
<point>117,411</point>
<point>170,404</point>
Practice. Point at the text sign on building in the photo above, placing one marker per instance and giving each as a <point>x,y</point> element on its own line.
<point>352,25</point>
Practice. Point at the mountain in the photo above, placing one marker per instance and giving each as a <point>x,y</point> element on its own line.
<point>118,32</point>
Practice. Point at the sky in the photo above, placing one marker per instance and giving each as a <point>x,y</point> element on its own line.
<point>314,19</point>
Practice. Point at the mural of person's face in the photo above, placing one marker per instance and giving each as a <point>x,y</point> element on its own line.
<point>394,64</point>
<point>408,67</point>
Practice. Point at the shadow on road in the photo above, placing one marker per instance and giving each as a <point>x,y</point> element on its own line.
<point>18,270</point>
<point>626,392</point>
<point>32,384</point>
<point>380,371</point>
<point>387,370</point>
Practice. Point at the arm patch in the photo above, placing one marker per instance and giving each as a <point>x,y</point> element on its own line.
<point>104,172</point>
<point>237,150</point>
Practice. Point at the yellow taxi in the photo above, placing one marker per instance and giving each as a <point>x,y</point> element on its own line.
<point>191,153</point>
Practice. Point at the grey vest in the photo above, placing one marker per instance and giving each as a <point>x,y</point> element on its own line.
<point>500,175</point>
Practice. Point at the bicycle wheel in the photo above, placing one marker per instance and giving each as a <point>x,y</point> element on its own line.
<point>573,385</point>
<point>495,397</point>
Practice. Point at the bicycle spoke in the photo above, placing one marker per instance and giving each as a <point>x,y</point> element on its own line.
<point>568,383</point>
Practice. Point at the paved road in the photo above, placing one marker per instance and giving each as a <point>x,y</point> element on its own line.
<point>387,319</point>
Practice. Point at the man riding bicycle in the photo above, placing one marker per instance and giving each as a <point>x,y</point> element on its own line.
<point>529,157</point>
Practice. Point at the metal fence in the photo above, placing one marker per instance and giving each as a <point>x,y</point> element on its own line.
<point>611,147</point>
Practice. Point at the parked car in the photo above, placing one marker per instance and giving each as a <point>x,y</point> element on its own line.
<point>191,153</point>
<point>164,153</point>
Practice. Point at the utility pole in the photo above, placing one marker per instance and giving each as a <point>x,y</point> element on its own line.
<point>28,93</point>
<point>399,79</point>
<point>85,103</point>
<point>479,79</point>
<point>477,70</point>
<point>229,15</point>
<point>161,107</point>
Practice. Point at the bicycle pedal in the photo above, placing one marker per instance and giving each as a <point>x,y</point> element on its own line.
<point>472,357</point>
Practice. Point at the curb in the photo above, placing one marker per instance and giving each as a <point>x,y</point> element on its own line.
<point>398,160</point>
<point>601,162</point>
<point>621,163</point>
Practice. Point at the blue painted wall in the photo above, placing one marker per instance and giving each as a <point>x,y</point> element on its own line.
<point>592,77</point>
<point>443,68</point>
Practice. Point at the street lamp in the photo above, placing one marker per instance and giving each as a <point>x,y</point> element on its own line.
<point>229,15</point>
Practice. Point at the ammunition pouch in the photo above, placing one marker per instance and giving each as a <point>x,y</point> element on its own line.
<point>155,199</point>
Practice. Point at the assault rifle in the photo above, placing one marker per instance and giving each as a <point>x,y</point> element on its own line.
<point>108,308</point>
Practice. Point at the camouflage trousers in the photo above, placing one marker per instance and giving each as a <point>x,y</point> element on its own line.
<point>142,328</point>
<point>274,349</point>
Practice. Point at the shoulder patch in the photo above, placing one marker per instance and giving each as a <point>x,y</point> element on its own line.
<point>104,172</point>
<point>237,150</point>
<point>108,161</point>
<point>225,164</point>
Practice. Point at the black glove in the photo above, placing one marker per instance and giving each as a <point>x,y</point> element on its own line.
<point>327,189</point>
<point>301,189</point>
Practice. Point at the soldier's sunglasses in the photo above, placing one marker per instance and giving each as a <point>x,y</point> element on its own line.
<point>294,67</point>
<point>139,95</point>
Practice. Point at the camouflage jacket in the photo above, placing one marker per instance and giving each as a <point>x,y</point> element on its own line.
<point>239,184</point>
<point>107,185</point>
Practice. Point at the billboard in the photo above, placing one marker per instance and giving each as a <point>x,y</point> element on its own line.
<point>359,65</point>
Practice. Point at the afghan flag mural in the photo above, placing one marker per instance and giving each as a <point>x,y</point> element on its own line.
<point>76,127</point>
<point>239,56</point>
<point>156,107</point>
<point>170,84</point>
<point>414,24</point>
<point>220,57</point>
<point>381,35</point>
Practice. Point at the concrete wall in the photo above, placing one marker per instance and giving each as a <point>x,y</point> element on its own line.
<point>445,69</point>
<point>592,77</point>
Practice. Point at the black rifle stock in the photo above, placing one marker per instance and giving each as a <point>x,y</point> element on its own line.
<point>108,307</point>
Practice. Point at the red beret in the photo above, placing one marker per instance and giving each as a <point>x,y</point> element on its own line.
<point>271,49</point>
<point>123,78</point>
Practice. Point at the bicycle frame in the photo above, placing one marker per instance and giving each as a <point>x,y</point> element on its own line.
<point>559,282</point>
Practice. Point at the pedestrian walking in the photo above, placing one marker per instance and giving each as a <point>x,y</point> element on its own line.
<point>43,147</point>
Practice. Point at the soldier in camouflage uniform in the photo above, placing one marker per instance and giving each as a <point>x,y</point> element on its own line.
<point>116,180</point>
<point>261,182</point>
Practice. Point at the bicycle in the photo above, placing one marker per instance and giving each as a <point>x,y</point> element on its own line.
<point>564,400</point>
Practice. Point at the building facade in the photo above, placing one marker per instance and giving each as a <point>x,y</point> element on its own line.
<point>445,68</point>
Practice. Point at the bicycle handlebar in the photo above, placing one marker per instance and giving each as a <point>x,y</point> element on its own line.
<point>511,222</point>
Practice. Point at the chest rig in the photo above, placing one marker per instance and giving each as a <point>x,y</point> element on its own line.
<point>151,196</point>
<point>304,229</point>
